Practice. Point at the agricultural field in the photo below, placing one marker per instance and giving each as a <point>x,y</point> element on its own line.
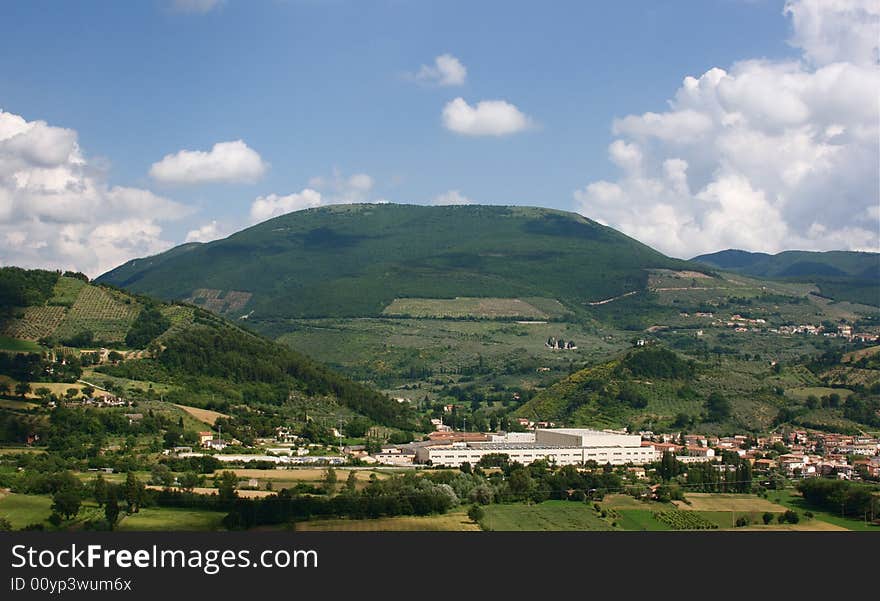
<point>792,499</point>
<point>452,521</point>
<point>23,510</point>
<point>107,314</point>
<point>203,415</point>
<point>480,308</point>
<point>393,352</point>
<point>34,323</point>
<point>549,515</point>
<point>171,518</point>
<point>18,346</point>
<point>696,501</point>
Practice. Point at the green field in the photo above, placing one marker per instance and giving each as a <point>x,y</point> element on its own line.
<point>453,521</point>
<point>172,518</point>
<point>640,519</point>
<point>23,510</point>
<point>793,500</point>
<point>18,346</point>
<point>483,308</point>
<point>549,515</point>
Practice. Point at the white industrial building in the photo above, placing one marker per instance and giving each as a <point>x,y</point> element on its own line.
<point>562,446</point>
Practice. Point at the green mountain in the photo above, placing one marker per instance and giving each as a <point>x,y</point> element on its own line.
<point>841,275</point>
<point>53,327</point>
<point>355,260</point>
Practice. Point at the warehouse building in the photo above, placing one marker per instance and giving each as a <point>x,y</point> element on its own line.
<point>562,446</point>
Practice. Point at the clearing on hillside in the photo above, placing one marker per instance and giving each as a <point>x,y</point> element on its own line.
<point>203,415</point>
<point>483,308</point>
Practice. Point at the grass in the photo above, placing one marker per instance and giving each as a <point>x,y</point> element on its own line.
<point>172,518</point>
<point>485,308</point>
<point>453,521</point>
<point>640,519</point>
<point>23,510</point>
<point>18,346</point>
<point>549,515</point>
<point>727,502</point>
<point>203,415</point>
<point>792,499</point>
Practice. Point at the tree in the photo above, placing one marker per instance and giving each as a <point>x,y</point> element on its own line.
<point>4,388</point>
<point>475,513</point>
<point>66,502</point>
<point>133,492</point>
<point>88,390</point>
<point>226,485</point>
<point>330,480</point>
<point>717,407</point>
<point>111,508</point>
<point>5,525</point>
<point>71,393</point>
<point>100,490</point>
<point>351,482</point>
<point>767,517</point>
<point>189,480</point>
<point>22,389</point>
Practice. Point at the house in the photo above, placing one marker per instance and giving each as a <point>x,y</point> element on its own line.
<point>205,437</point>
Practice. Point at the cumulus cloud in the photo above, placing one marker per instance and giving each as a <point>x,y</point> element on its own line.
<point>207,233</point>
<point>339,189</point>
<point>486,118</point>
<point>273,205</point>
<point>199,7</point>
<point>226,162</point>
<point>452,197</point>
<point>58,212</point>
<point>446,71</point>
<point>766,155</point>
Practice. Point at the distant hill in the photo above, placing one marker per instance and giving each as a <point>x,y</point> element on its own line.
<point>197,358</point>
<point>841,275</point>
<point>355,260</point>
<point>656,388</point>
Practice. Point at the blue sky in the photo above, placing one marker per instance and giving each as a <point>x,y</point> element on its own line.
<point>318,88</point>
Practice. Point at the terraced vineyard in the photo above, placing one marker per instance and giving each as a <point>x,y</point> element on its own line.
<point>104,313</point>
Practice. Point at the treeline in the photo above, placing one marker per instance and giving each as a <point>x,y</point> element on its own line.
<point>842,497</point>
<point>33,367</point>
<point>23,287</point>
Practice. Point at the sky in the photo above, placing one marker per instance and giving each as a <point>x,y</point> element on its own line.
<point>129,127</point>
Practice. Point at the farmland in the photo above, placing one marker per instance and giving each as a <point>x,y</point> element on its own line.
<point>452,521</point>
<point>23,510</point>
<point>107,314</point>
<point>549,515</point>
<point>481,308</point>
<point>203,415</point>
<point>171,518</point>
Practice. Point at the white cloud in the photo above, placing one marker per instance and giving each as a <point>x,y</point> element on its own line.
<point>487,118</point>
<point>767,155</point>
<point>207,233</point>
<point>272,205</point>
<point>226,162</point>
<point>200,7</point>
<point>452,197</point>
<point>57,211</point>
<point>339,189</point>
<point>446,71</point>
<point>831,31</point>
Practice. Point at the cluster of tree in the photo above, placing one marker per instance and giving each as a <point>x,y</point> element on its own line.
<point>147,326</point>
<point>657,362</point>
<point>736,475</point>
<point>24,288</point>
<point>847,498</point>
<point>35,367</point>
<point>229,361</point>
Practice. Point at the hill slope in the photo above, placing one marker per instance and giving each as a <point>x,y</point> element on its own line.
<point>193,356</point>
<point>355,260</point>
<point>842,275</point>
